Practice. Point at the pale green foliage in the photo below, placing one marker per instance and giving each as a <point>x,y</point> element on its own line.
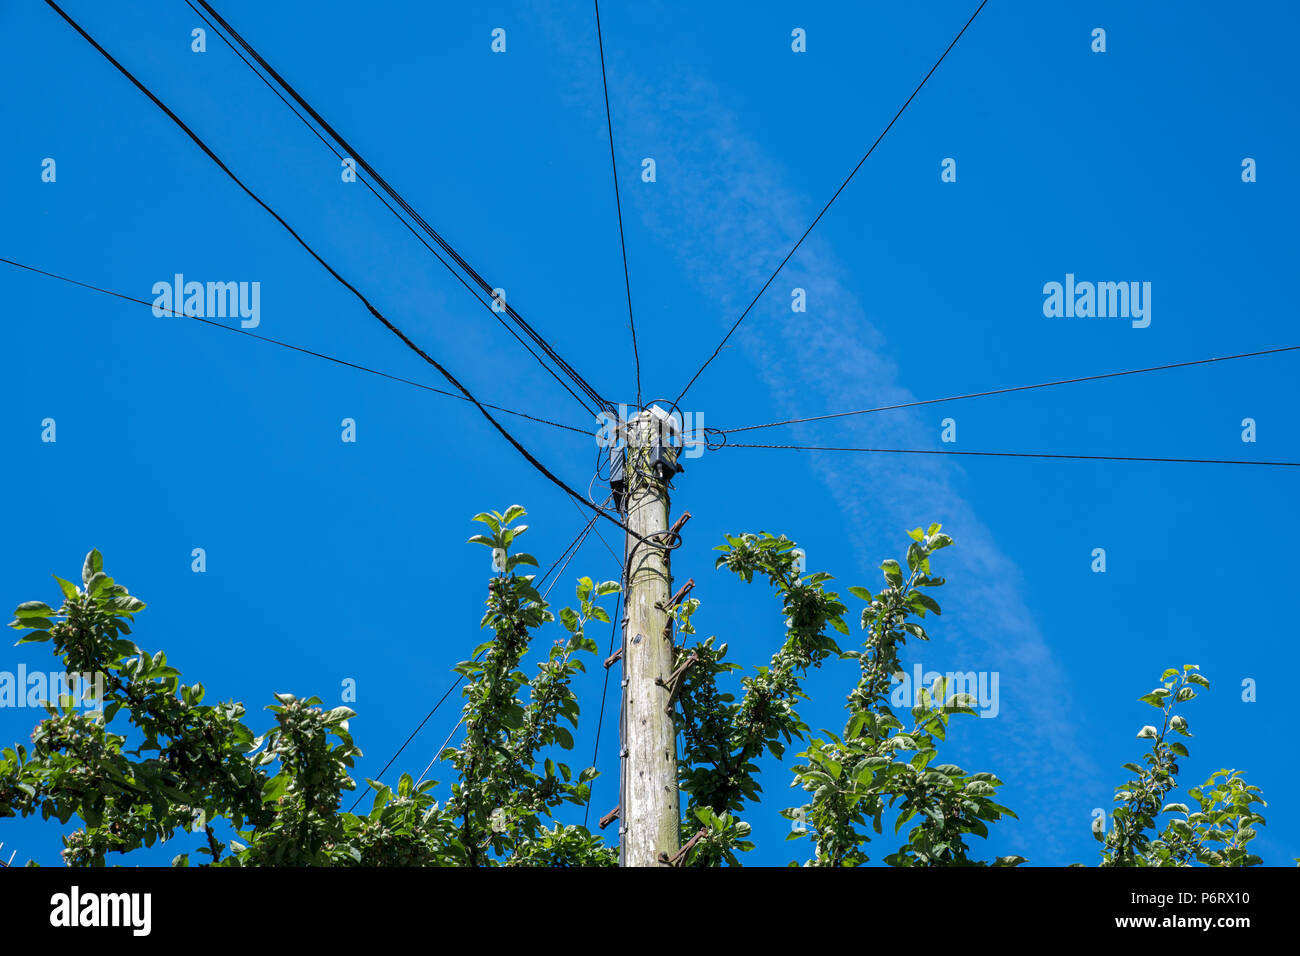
<point>877,765</point>
<point>1216,833</point>
<point>506,789</point>
<point>197,768</point>
<point>281,792</point>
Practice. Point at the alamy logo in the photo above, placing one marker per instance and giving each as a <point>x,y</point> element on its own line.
<point>103,909</point>
<point>682,430</point>
<point>979,688</point>
<point>212,300</point>
<point>35,689</point>
<point>1102,300</point>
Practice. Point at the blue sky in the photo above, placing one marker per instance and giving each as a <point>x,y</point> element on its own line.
<point>329,560</point>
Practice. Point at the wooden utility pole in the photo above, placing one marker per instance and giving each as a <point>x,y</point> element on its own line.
<point>650,813</point>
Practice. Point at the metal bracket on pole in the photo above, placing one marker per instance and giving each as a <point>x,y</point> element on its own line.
<point>673,602</point>
<point>680,523</point>
<point>674,681</point>
<point>680,596</point>
<point>679,858</point>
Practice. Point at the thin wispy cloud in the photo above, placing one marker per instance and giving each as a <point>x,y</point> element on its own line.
<point>730,216</point>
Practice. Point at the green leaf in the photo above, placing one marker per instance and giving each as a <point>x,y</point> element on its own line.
<point>893,572</point>
<point>489,520</point>
<point>915,556</point>
<point>97,583</point>
<point>67,587</point>
<point>126,604</point>
<point>338,715</point>
<point>923,599</point>
<point>33,609</point>
<point>275,788</point>
<point>94,564</point>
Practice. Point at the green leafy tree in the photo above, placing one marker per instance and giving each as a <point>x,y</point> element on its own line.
<point>875,765</point>
<point>153,761</point>
<point>506,789</point>
<point>1216,834</point>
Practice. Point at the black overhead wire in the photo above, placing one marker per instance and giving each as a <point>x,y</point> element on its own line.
<point>796,246</point>
<point>582,535</point>
<point>479,280</point>
<point>420,726</point>
<point>571,551</point>
<point>567,555</point>
<point>618,204</point>
<point>482,283</point>
<point>400,218</point>
<point>604,695</point>
<point>607,547</point>
<point>1018,454</point>
<point>330,269</point>
<point>287,345</point>
<point>604,691</point>
<point>1016,388</point>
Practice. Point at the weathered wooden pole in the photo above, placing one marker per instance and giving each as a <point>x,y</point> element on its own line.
<point>650,813</point>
